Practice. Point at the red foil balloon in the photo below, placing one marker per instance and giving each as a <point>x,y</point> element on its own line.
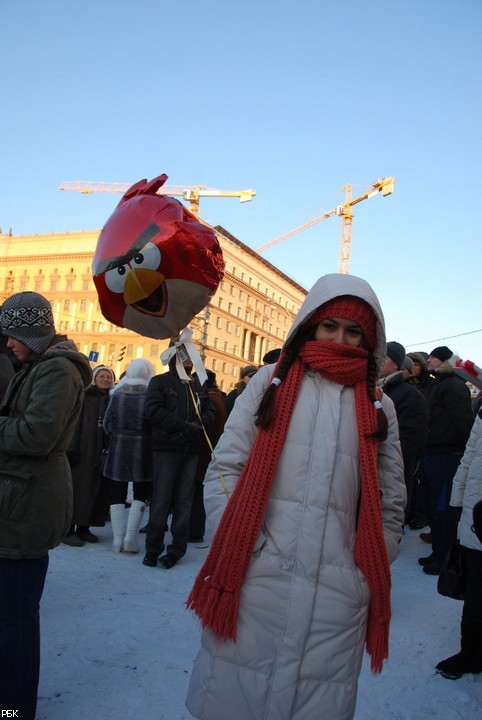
<point>155,265</point>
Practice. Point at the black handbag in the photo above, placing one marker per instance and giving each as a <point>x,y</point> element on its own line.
<point>451,581</point>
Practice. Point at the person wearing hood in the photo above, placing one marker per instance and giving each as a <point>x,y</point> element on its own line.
<point>297,580</point>
<point>87,454</point>
<point>129,456</point>
<point>411,409</point>
<point>421,377</point>
<point>450,421</point>
<point>37,419</point>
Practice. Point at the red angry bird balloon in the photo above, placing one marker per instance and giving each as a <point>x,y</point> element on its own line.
<point>155,265</point>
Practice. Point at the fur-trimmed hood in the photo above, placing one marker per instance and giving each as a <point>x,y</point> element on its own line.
<point>447,366</point>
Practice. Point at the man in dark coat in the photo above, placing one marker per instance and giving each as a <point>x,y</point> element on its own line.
<point>411,409</point>
<point>450,423</point>
<point>37,420</point>
<point>177,409</point>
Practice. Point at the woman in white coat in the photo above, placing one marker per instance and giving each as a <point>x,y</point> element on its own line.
<point>297,580</point>
<point>466,493</point>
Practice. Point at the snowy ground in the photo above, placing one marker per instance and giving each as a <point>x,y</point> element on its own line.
<point>117,642</point>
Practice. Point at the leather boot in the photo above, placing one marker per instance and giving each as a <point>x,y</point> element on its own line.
<point>136,513</point>
<point>118,522</point>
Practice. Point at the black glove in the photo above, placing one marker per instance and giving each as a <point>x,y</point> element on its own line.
<point>193,431</point>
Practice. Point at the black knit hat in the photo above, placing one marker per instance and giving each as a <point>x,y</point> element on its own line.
<point>442,353</point>
<point>396,352</point>
<point>27,317</point>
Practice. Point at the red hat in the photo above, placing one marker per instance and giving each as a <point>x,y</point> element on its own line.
<point>351,308</point>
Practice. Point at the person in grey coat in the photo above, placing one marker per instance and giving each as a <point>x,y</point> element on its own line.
<point>129,457</point>
<point>37,420</point>
<point>306,490</point>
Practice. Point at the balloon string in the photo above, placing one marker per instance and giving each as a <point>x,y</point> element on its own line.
<point>207,439</point>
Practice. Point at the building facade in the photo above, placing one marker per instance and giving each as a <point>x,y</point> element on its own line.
<point>249,314</point>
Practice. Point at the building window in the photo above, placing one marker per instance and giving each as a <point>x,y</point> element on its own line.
<point>230,308</point>
<point>67,305</point>
<point>154,351</point>
<point>23,285</point>
<point>69,285</point>
<point>236,330</point>
<point>53,286</point>
<point>241,295</point>
<point>218,322</point>
<point>228,326</point>
<point>225,346</point>
<point>220,302</point>
<point>83,305</point>
<point>224,367</point>
<point>215,342</point>
<point>214,363</point>
<point>86,285</point>
<point>130,350</point>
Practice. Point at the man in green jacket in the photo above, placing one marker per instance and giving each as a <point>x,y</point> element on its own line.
<point>37,420</point>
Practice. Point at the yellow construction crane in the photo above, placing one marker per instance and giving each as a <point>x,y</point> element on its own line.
<point>191,193</point>
<point>385,186</point>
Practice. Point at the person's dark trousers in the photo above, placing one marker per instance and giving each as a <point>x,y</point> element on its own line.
<point>172,491</point>
<point>471,626</point>
<point>21,587</point>
<point>437,472</point>
<point>198,513</point>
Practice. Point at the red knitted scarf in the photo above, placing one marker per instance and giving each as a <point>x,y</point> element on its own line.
<point>216,592</point>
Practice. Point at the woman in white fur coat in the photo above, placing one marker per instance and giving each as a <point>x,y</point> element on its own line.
<point>297,580</point>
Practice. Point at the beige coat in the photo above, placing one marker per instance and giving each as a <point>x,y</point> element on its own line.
<point>303,610</point>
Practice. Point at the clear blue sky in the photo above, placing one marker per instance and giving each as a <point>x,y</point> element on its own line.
<point>293,99</point>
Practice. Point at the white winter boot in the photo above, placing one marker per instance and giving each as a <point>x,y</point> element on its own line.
<point>134,520</point>
<point>118,522</point>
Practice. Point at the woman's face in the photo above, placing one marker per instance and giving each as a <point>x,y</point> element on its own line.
<point>417,368</point>
<point>340,330</point>
<point>103,380</point>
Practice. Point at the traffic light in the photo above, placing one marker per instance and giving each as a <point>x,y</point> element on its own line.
<point>122,352</point>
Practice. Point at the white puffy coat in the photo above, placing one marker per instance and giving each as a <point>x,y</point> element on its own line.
<point>303,609</point>
<point>467,486</point>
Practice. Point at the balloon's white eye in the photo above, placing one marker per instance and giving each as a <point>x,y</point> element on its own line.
<point>148,257</point>
<point>115,279</point>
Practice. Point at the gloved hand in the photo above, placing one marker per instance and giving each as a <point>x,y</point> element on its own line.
<point>193,431</point>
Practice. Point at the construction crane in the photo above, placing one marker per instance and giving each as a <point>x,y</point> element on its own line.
<point>191,193</point>
<point>384,185</point>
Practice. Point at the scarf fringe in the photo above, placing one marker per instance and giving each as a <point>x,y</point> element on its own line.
<point>377,646</point>
<point>218,609</point>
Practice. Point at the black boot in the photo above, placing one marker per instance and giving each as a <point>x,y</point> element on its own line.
<point>469,659</point>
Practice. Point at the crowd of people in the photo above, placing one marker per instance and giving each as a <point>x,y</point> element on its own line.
<point>309,469</point>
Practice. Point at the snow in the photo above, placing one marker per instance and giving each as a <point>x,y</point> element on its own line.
<point>118,643</point>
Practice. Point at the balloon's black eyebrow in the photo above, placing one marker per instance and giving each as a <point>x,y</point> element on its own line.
<point>145,237</point>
